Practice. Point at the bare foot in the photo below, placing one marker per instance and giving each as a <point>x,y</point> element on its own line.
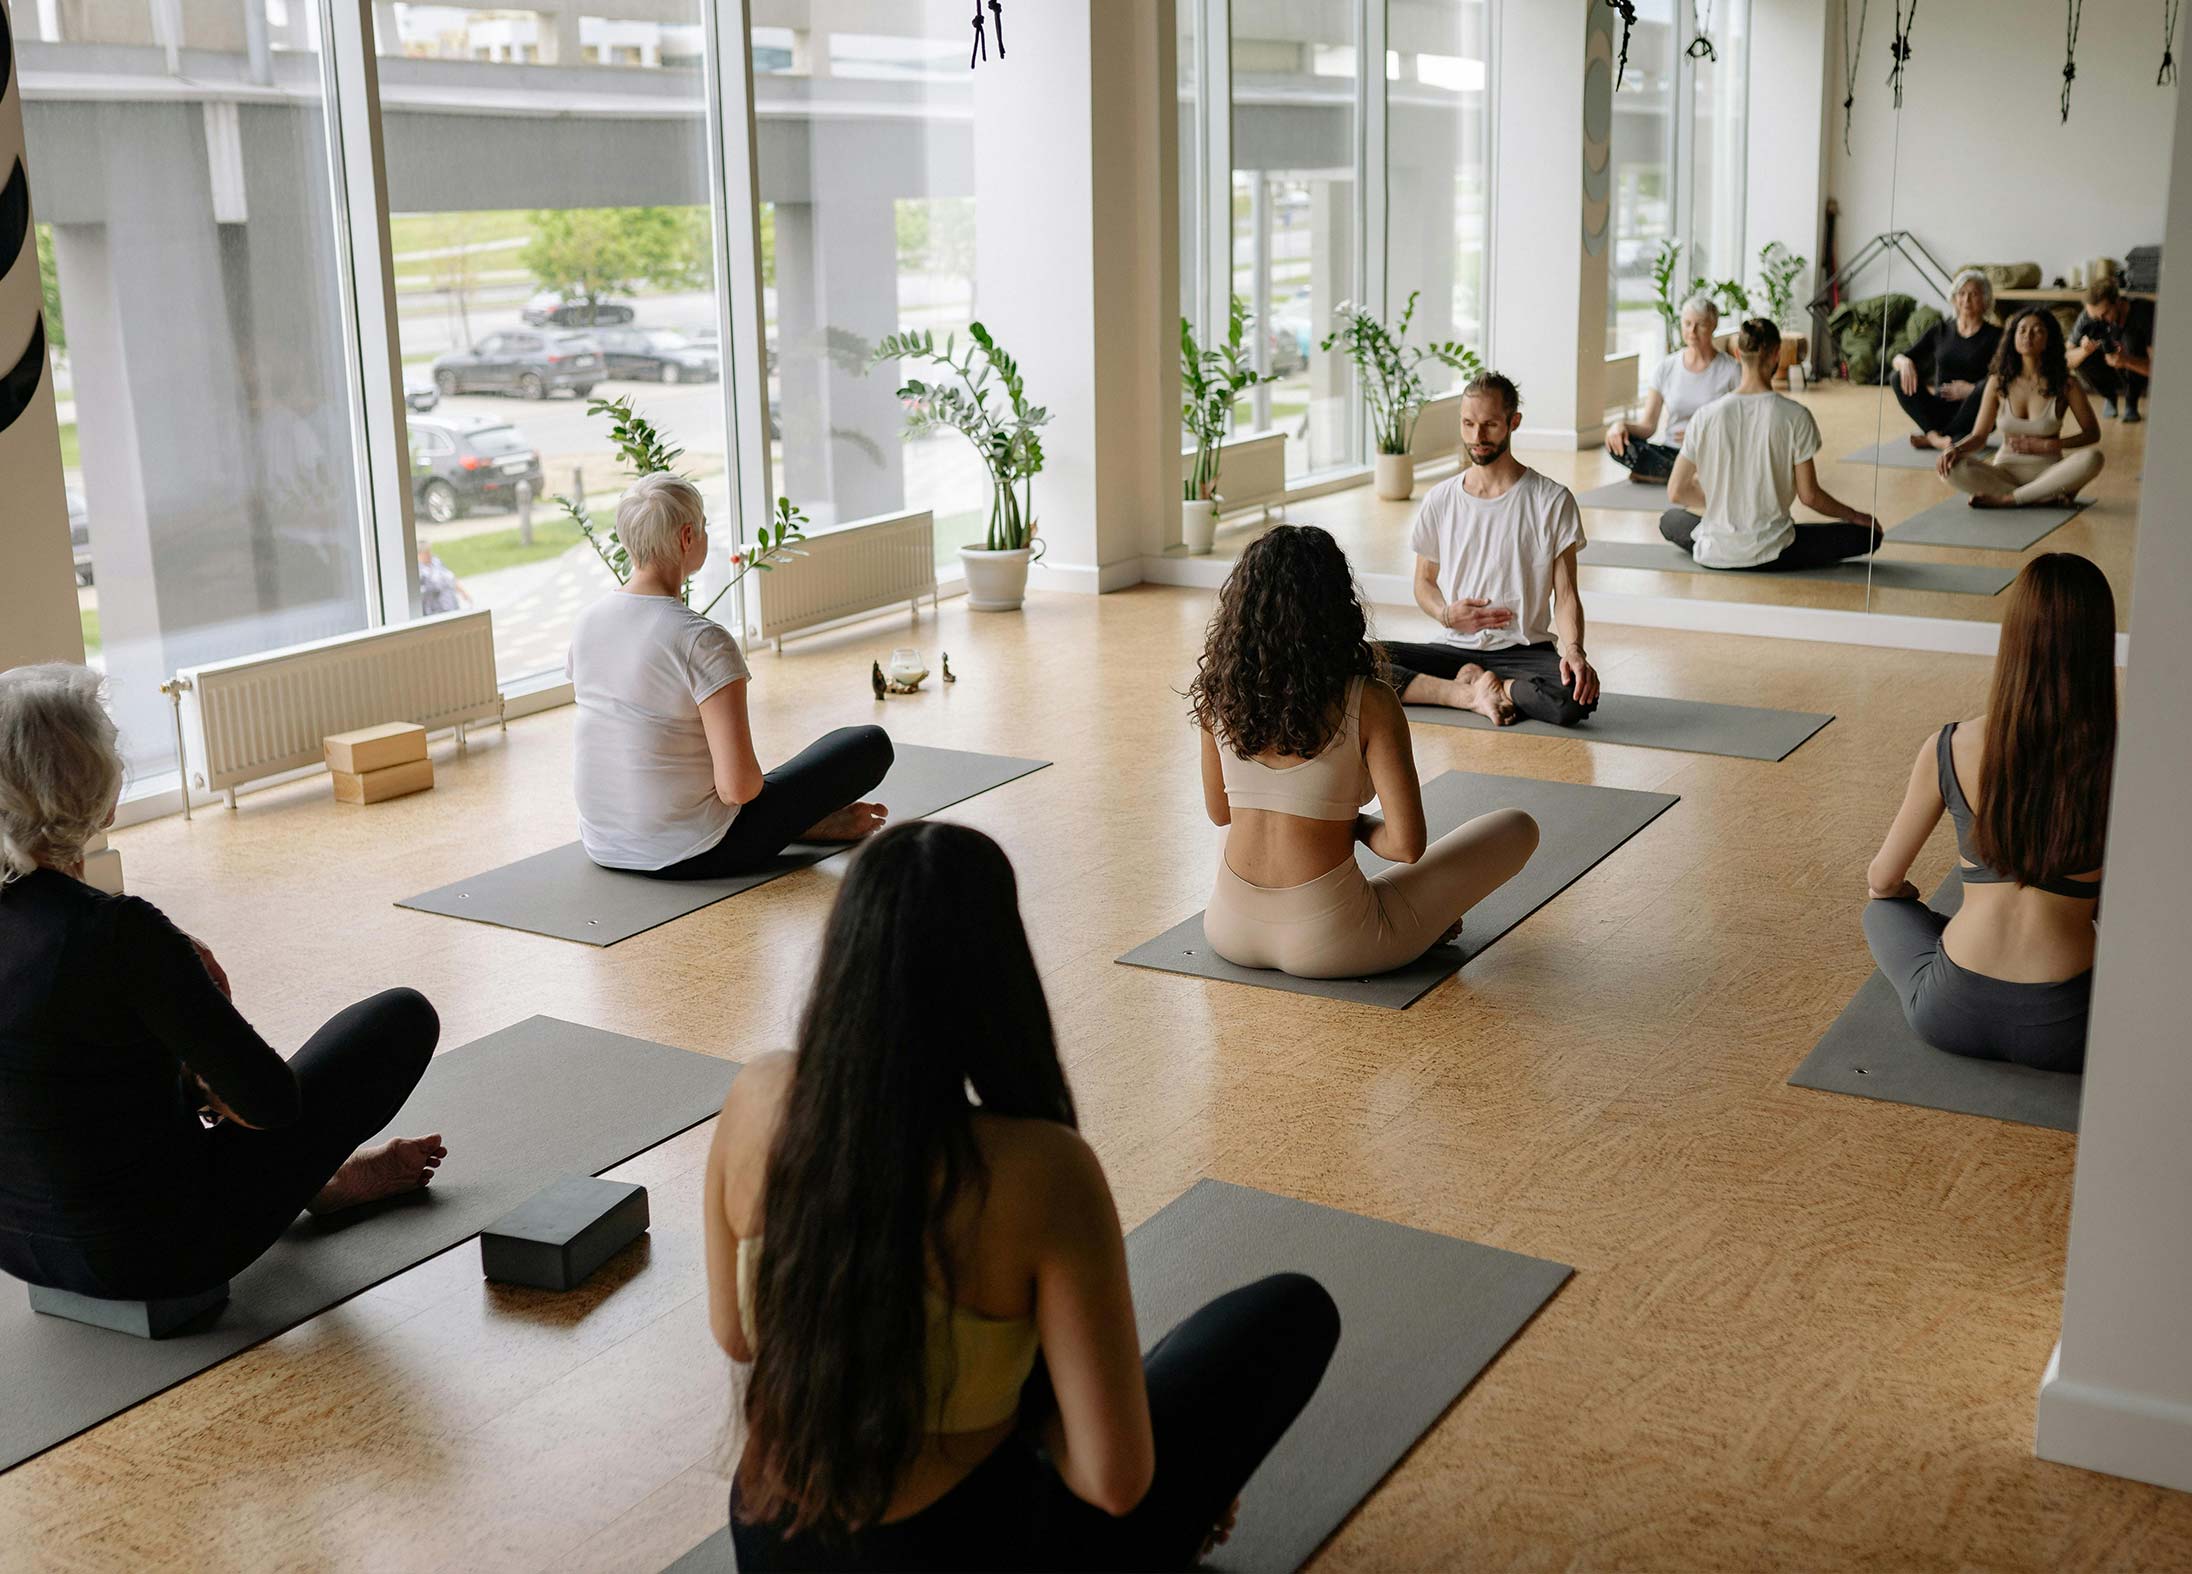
<point>1982,500</point>
<point>848,824</point>
<point>1488,696</point>
<point>398,1165</point>
<point>1451,935</point>
<point>1921,439</point>
<point>1933,440</point>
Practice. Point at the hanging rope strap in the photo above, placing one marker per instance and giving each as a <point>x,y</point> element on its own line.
<point>997,17</point>
<point>1627,8</point>
<point>2168,72</point>
<point>2073,15</point>
<point>1701,47</point>
<point>1850,53</point>
<point>1900,48</point>
<point>981,45</point>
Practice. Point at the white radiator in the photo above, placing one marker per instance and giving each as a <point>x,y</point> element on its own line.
<point>1621,382</point>
<point>258,716</point>
<point>1251,471</point>
<point>848,570</point>
<point>1438,430</point>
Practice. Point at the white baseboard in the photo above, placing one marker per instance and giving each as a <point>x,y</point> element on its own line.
<point>1087,579</point>
<point>1567,438</point>
<point>2136,1436</point>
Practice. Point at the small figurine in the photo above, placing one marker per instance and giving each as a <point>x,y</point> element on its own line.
<point>875,677</point>
<point>949,675</point>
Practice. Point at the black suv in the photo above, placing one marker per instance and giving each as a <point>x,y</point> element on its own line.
<point>460,462</point>
<point>550,310</point>
<point>657,354</point>
<point>531,365</point>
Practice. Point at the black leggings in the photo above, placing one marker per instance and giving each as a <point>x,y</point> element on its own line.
<point>835,770</point>
<point>352,1077</point>
<point>2111,383</point>
<point>1815,546</point>
<point>1539,692</point>
<point>1647,461</point>
<point>1224,1386</point>
<point>1929,412</point>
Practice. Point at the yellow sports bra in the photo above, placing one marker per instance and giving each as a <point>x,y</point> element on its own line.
<point>994,1354</point>
<point>1330,787</point>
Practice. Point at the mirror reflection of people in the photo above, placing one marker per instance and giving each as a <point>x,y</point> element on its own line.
<point>1682,384</point>
<point>1938,380</point>
<point>2112,347</point>
<point>2010,976</point>
<point>912,1244</point>
<point>2028,394</point>
<point>1748,458</point>
<point>118,1037</point>
<point>667,780</point>
<point>439,588</point>
<point>1298,730</point>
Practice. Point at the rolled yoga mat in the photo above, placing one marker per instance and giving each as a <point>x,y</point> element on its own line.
<point>1578,825</point>
<point>1421,1317</point>
<point>1962,579</point>
<point>1742,732</point>
<point>1870,1051</point>
<point>1642,497</point>
<point>1897,454</point>
<point>519,1109</point>
<point>565,894</point>
<point>1953,522</point>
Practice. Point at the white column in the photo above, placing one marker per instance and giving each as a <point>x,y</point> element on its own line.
<point>1077,269</point>
<point>2117,1396</point>
<point>1793,120</point>
<point>1549,247</point>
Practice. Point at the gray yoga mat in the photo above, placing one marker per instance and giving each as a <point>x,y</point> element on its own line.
<point>519,1108</point>
<point>564,894</point>
<point>1953,522</point>
<point>1963,579</point>
<point>1897,454</point>
<point>1421,1317</point>
<point>1579,825</point>
<point>1645,497</point>
<point>1648,721</point>
<point>1870,1051</point>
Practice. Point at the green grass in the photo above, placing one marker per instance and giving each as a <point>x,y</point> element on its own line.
<point>410,232</point>
<point>483,554</point>
<point>90,617</point>
<point>72,457</point>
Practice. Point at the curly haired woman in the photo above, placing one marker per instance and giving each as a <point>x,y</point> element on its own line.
<point>1299,730</point>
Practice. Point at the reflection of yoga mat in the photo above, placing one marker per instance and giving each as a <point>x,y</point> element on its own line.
<point>1953,522</point>
<point>1886,574</point>
<point>1897,454</point>
<point>519,1108</point>
<point>1578,826</point>
<point>1871,1051</point>
<point>1650,722</point>
<point>1421,1317</point>
<point>565,894</point>
<point>1646,497</point>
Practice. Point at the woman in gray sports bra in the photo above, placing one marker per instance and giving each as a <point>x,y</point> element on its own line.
<point>2007,974</point>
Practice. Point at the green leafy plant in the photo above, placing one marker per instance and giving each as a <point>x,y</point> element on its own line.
<point>1778,268</point>
<point>588,254</point>
<point>1211,381</point>
<point>1004,435</point>
<point>1390,369</point>
<point>1733,299</point>
<point>645,450</point>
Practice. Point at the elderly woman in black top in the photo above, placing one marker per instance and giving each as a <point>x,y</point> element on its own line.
<point>152,1145</point>
<point>1940,379</point>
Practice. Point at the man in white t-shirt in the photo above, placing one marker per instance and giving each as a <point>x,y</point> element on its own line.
<point>1496,566</point>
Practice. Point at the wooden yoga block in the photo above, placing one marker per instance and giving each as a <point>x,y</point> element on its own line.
<point>556,1238</point>
<point>145,1319</point>
<point>376,748</point>
<point>389,782</point>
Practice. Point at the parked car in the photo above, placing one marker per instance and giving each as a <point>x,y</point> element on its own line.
<point>550,310</point>
<point>530,365</point>
<point>461,462</point>
<point>1289,335</point>
<point>658,354</point>
<point>420,396</point>
<point>80,537</point>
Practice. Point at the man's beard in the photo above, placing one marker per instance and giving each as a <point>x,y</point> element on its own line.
<point>1499,452</point>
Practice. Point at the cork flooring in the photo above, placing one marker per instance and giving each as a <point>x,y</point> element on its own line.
<point>1805,1331</point>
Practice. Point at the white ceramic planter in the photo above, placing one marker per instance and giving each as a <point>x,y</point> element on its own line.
<point>996,581</point>
<point>1395,477</point>
<point>1199,525</point>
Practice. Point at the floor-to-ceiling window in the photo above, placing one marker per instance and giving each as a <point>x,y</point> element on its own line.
<point>1643,181</point>
<point>1719,109</point>
<point>195,323</point>
<point>1438,166</point>
<point>865,121</point>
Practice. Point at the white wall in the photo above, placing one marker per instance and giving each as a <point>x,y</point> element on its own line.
<point>1988,172</point>
<point>2118,1395</point>
<point>1785,171</point>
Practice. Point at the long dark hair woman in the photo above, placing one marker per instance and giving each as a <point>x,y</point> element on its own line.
<point>2029,394</point>
<point>2008,977</point>
<point>1299,730</point>
<point>913,1246</point>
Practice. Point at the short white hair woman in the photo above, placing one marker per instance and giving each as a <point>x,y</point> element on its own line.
<point>117,1035</point>
<point>1940,379</point>
<point>1682,385</point>
<point>667,781</point>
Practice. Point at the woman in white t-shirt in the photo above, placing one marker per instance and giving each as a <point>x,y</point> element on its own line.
<point>1682,385</point>
<point>1748,457</point>
<point>667,781</point>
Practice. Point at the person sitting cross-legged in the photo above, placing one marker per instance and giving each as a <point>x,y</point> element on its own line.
<point>1682,384</point>
<point>1496,566</point>
<point>2028,394</point>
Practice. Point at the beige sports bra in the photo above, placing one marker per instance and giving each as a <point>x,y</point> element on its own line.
<point>1333,786</point>
<point>2048,423</point>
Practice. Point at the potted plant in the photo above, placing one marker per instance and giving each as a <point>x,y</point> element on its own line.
<point>645,451</point>
<point>1005,436</point>
<point>1778,268</point>
<point>1211,383</point>
<point>1728,294</point>
<point>1390,371</point>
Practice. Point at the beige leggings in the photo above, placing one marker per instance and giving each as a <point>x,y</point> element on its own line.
<point>2028,478</point>
<point>1347,925</point>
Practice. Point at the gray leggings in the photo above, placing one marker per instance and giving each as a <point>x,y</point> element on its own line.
<point>1967,1013</point>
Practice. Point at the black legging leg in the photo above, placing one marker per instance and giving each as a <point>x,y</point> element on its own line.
<point>835,770</point>
<point>1224,1386</point>
<point>1647,461</point>
<point>1815,546</point>
<point>1929,412</point>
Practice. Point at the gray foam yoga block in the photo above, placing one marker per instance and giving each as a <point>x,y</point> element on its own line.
<point>144,1319</point>
<point>556,1238</point>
